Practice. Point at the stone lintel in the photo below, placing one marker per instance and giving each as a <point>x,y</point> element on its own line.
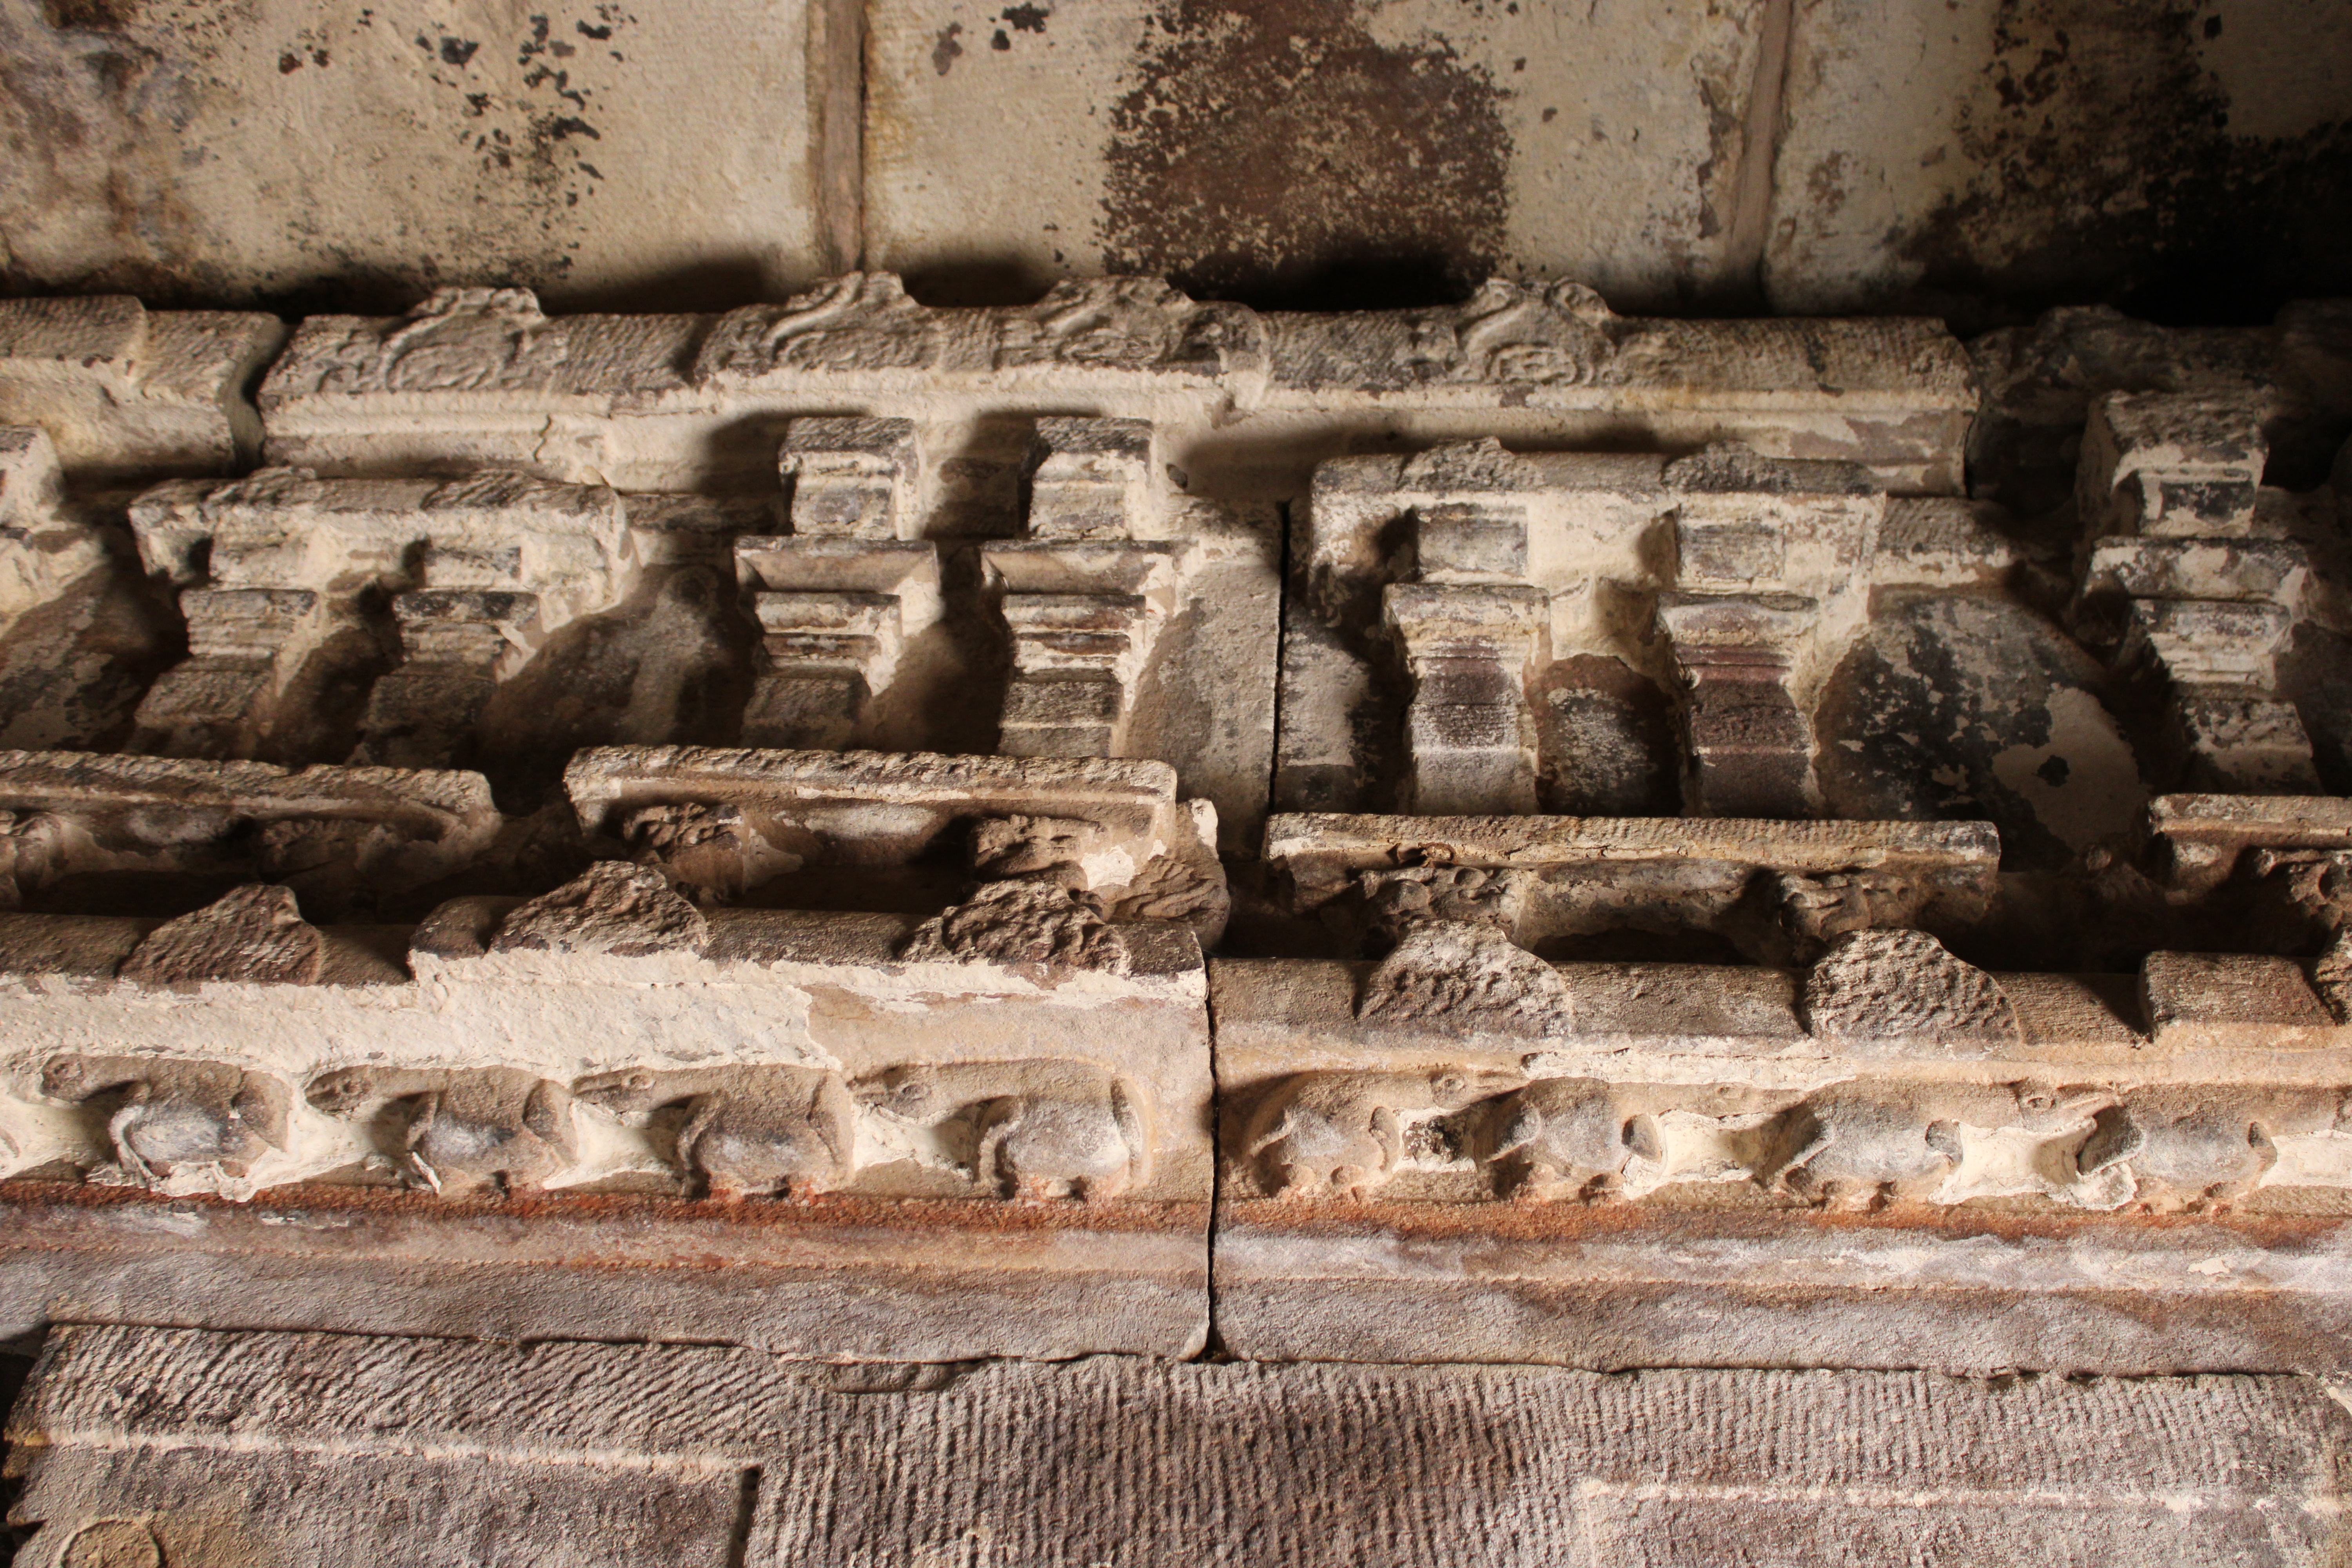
<point>2203,836</point>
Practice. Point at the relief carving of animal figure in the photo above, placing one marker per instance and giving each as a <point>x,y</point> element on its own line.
<point>1572,1137</point>
<point>748,1129</point>
<point>1856,1146</point>
<point>1850,1149</point>
<point>179,1114</point>
<point>463,1131</point>
<point>1326,1133</point>
<point>2198,1148</point>
<point>1037,1127</point>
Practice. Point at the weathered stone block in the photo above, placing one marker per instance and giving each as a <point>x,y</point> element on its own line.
<point>852,477</point>
<point>2171,466</point>
<point>126,394</point>
<point>291,1446</point>
<point>1654,1134</point>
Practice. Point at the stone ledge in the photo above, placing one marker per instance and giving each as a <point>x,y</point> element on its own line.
<point>1627,1286</point>
<point>834,1278</point>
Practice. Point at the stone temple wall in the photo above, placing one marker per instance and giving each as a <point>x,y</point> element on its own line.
<point>1965,158</point>
<point>803,847</point>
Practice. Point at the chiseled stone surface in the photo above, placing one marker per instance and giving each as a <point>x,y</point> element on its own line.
<point>140,1446</point>
<point>843,832</point>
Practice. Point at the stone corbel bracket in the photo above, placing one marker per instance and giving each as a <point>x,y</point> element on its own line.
<point>793,809</point>
<point>330,831</point>
<point>1782,889</point>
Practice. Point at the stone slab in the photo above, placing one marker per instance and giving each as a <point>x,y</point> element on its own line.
<point>837,1278</point>
<point>206,1448</point>
<point>1626,1286</point>
<point>127,394</point>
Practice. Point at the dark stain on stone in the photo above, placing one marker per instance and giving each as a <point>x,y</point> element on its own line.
<point>2109,173</point>
<point>1000,40</point>
<point>946,50</point>
<point>1935,715</point>
<point>458,51</point>
<point>289,64</point>
<point>601,34</point>
<point>91,15</point>
<point>1276,153</point>
<point>1025,18</point>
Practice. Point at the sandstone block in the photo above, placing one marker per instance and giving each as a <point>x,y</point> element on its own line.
<point>289,1446</point>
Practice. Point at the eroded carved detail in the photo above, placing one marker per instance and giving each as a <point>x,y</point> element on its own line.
<point>613,908</point>
<point>2204,1149</point>
<point>1036,1129</point>
<point>860,322</point>
<point>1904,985</point>
<point>1326,1134</point>
<point>254,935</point>
<point>1026,924</point>
<point>461,1129</point>
<point>748,1128</point>
<point>1132,324</point>
<point>1563,334</point>
<point>181,1125</point>
<point>1465,975</point>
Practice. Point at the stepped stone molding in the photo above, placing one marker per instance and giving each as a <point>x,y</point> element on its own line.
<point>1733,580</point>
<point>2207,587</point>
<point>1495,831</point>
<point>126,392</point>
